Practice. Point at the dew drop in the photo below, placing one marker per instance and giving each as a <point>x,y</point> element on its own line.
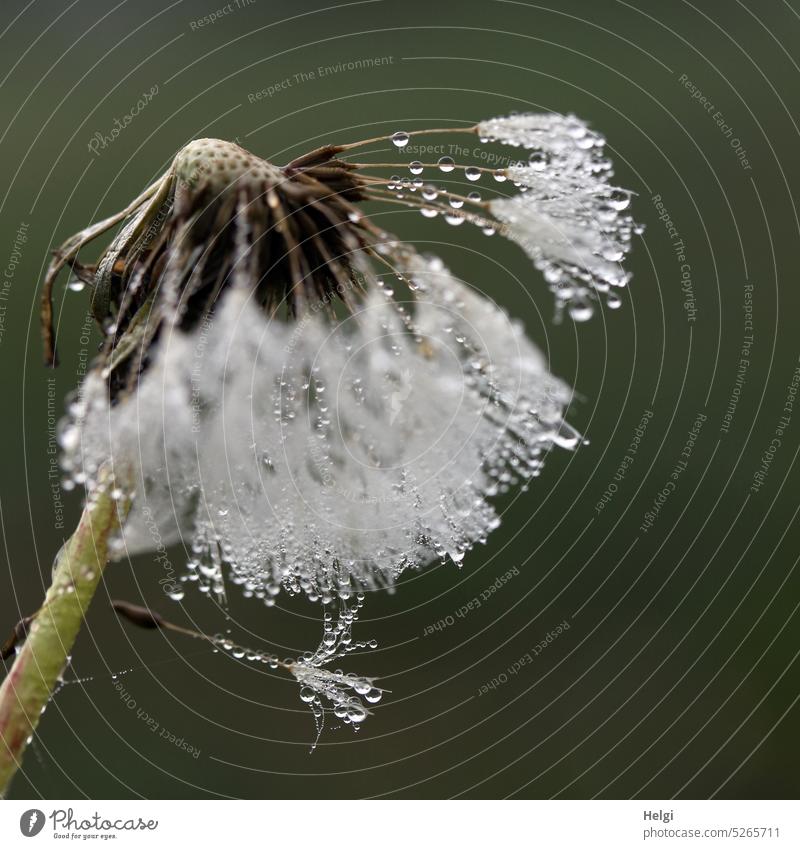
<point>356,713</point>
<point>612,253</point>
<point>537,160</point>
<point>400,139</point>
<point>580,311</point>
<point>446,164</point>
<point>619,200</point>
<point>472,173</point>
<point>415,167</point>
<point>566,436</point>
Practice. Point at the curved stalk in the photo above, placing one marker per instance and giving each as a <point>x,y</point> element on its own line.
<point>54,627</point>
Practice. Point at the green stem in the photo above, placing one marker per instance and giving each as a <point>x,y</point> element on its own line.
<point>42,659</point>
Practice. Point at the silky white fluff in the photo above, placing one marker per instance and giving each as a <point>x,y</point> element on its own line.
<point>325,457</point>
<point>567,217</point>
<point>557,135</point>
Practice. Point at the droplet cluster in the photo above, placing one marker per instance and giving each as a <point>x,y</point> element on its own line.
<point>567,217</point>
<point>324,459</point>
<point>343,694</point>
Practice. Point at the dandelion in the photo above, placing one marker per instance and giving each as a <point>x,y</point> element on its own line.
<point>307,401</point>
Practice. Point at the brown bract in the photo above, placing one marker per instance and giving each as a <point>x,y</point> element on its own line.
<point>220,216</point>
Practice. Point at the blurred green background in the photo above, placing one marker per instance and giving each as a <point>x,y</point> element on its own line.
<point>678,673</point>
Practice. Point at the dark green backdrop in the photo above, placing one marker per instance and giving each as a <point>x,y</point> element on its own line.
<point>678,673</point>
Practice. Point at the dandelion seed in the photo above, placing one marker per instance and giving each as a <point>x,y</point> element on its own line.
<point>563,136</point>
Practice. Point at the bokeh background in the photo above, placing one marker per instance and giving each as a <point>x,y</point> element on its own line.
<point>678,673</point>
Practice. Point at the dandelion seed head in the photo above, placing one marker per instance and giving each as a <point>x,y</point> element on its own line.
<point>307,403</point>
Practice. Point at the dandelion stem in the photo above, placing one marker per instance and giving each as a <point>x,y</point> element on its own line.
<point>51,634</point>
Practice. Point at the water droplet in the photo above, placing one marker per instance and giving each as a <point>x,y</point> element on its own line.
<point>415,167</point>
<point>430,192</point>
<point>566,436</point>
<point>356,713</point>
<point>400,139</point>
<point>580,311</point>
<point>446,164</point>
<point>500,176</point>
<point>307,695</point>
<point>76,285</point>
<point>472,173</point>
<point>537,160</point>
<point>455,202</point>
<point>619,200</point>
